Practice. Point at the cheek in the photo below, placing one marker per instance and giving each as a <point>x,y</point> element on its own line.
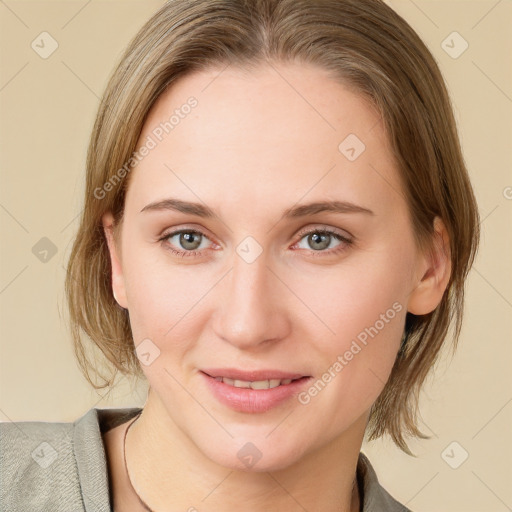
<point>162,310</point>
<point>161,296</point>
<point>163,303</point>
<point>362,307</point>
<point>354,296</point>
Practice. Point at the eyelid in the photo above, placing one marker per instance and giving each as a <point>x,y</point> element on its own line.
<point>322,227</point>
<point>167,232</point>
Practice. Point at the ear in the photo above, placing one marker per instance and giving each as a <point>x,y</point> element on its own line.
<point>118,288</point>
<point>434,271</point>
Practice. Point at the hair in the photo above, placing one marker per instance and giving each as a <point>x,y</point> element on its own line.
<point>367,47</point>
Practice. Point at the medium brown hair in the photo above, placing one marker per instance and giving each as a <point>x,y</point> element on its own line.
<point>365,45</point>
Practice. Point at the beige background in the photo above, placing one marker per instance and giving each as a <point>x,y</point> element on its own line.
<point>47,111</point>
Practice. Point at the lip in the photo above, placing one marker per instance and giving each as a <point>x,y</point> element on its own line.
<point>254,400</point>
<point>254,375</point>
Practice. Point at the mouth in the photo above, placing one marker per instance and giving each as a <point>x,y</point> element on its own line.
<point>256,384</point>
<point>256,379</point>
<point>253,392</point>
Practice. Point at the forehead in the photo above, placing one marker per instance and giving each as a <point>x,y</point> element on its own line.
<point>268,136</point>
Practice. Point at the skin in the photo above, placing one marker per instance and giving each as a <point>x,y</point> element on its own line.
<point>260,142</point>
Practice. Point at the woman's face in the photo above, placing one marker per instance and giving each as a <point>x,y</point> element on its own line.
<point>270,159</point>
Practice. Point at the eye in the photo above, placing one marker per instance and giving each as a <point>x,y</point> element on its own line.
<point>185,242</point>
<point>190,242</point>
<point>317,240</point>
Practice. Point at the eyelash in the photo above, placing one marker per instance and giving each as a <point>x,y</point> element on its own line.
<point>346,242</point>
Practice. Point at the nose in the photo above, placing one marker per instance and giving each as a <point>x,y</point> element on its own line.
<point>251,312</point>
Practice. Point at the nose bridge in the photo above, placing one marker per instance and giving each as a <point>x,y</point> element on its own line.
<point>248,313</point>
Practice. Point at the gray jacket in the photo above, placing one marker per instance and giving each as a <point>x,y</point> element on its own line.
<point>61,467</point>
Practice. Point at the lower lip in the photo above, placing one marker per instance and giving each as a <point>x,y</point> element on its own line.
<point>253,400</point>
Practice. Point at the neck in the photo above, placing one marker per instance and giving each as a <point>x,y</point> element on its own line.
<point>168,470</point>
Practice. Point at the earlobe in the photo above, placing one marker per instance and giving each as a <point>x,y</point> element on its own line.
<point>118,288</point>
<point>434,271</point>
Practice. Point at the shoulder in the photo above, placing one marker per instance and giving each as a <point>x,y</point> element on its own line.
<point>376,498</point>
<point>57,466</point>
<point>38,465</point>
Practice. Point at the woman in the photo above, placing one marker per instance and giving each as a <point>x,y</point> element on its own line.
<point>277,228</point>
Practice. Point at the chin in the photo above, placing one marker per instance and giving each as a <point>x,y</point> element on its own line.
<point>253,456</point>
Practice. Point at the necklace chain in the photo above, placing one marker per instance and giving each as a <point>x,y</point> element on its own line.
<point>142,502</point>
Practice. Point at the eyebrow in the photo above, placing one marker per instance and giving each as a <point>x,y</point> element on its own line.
<point>303,210</point>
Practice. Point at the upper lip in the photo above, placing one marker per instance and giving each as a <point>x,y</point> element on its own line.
<point>251,376</point>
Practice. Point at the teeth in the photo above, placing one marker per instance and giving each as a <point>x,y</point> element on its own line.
<point>262,384</point>
<point>258,384</point>
<point>241,384</point>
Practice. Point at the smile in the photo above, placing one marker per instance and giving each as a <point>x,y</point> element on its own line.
<point>258,384</point>
<point>254,396</point>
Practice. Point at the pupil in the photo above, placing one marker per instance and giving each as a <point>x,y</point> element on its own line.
<point>320,238</point>
<point>188,238</point>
